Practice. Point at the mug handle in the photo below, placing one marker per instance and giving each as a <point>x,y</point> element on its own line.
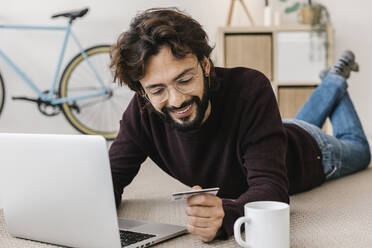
<point>237,233</point>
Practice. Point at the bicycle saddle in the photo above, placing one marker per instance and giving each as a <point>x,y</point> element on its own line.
<point>72,14</point>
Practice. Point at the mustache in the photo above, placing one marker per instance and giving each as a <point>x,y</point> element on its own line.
<point>184,104</point>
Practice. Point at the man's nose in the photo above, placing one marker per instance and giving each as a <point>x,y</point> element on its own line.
<point>175,98</point>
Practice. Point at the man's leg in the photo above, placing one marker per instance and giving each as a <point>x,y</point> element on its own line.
<point>348,130</point>
<point>348,150</point>
<point>322,101</point>
<point>327,95</point>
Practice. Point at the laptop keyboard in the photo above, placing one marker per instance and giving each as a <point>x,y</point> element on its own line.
<point>128,238</point>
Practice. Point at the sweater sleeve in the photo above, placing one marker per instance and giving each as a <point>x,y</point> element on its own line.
<point>263,144</point>
<point>126,154</point>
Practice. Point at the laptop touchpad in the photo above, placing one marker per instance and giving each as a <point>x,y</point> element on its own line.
<point>128,224</point>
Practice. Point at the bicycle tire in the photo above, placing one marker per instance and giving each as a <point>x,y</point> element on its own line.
<point>89,116</point>
<point>2,93</point>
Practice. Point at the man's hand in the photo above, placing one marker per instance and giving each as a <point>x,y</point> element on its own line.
<point>205,215</point>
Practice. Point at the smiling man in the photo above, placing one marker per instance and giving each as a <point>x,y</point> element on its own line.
<point>218,127</point>
<point>187,106</point>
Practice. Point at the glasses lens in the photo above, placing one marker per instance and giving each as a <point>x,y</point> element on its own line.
<point>188,84</point>
<point>185,86</point>
<point>158,96</point>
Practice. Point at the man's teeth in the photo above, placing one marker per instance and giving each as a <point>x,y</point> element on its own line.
<point>183,111</point>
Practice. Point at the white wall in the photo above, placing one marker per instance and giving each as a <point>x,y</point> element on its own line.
<point>36,51</point>
<point>353,25</point>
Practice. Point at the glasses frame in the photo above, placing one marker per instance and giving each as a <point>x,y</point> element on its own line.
<point>145,95</point>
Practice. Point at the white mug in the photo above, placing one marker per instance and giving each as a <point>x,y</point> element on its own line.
<point>266,225</point>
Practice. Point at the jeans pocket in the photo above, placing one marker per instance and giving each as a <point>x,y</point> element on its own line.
<point>329,164</point>
<point>329,174</point>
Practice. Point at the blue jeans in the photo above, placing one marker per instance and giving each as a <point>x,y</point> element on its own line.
<point>347,151</point>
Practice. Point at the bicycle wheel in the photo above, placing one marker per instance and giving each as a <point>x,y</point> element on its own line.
<point>2,94</point>
<point>94,115</point>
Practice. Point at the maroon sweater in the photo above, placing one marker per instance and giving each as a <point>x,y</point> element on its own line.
<point>242,147</point>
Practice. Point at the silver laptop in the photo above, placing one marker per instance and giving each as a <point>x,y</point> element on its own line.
<point>58,189</point>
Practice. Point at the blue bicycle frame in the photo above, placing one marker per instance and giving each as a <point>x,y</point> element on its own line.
<point>50,96</point>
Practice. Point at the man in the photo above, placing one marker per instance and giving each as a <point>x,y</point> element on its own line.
<point>216,127</point>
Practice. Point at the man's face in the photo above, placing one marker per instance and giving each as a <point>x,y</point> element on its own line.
<point>183,109</point>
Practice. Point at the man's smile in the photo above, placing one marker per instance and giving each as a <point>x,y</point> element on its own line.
<point>183,112</point>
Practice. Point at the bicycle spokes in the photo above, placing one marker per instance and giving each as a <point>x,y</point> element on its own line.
<point>99,114</point>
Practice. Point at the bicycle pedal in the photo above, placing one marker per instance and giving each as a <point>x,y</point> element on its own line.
<point>22,98</point>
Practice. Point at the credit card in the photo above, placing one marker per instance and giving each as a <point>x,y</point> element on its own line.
<point>186,194</point>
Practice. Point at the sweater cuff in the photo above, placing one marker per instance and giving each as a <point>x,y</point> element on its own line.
<point>232,211</point>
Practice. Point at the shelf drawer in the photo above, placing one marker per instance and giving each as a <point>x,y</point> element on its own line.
<point>249,50</point>
<point>291,99</point>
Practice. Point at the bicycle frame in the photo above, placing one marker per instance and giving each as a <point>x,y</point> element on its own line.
<point>50,96</point>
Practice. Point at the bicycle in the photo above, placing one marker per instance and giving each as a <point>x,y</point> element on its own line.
<point>86,94</point>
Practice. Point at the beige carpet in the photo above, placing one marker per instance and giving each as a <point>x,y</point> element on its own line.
<point>337,214</point>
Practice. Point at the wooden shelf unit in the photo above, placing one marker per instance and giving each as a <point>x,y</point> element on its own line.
<point>258,47</point>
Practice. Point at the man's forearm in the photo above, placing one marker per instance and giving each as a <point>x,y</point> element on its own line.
<point>121,179</point>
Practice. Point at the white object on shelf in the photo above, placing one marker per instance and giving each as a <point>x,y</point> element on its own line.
<point>268,16</point>
<point>300,56</point>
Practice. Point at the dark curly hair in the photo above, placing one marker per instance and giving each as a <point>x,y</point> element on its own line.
<point>148,32</point>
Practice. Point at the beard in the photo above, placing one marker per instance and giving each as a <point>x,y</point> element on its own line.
<point>186,124</point>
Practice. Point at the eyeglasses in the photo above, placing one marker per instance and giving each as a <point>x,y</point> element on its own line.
<point>186,84</point>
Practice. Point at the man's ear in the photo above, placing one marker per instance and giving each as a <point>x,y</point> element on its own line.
<point>206,63</point>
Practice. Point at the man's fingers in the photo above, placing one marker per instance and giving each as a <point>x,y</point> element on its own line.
<point>202,211</point>
<point>204,200</point>
<point>199,211</point>
<point>201,221</point>
<point>205,214</point>
<point>196,187</point>
<point>205,234</point>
